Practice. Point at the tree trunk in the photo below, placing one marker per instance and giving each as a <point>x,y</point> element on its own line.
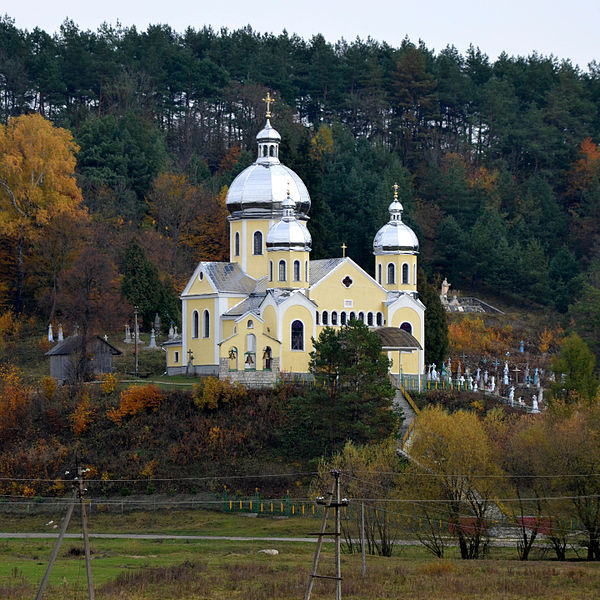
<point>20,276</point>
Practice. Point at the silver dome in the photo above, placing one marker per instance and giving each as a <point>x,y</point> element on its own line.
<point>289,233</point>
<point>395,236</point>
<point>259,190</point>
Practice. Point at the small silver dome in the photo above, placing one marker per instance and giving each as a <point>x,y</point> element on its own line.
<point>289,233</point>
<point>395,236</point>
<point>260,189</point>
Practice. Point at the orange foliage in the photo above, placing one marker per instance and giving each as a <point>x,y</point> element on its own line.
<point>14,400</point>
<point>82,415</point>
<point>9,330</point>
<point>483,178</point>
<point>134,400</point>
<point>230,159</point>
<point>546,339</point>
<point>472,335</point>
<point>586,167</point>
<point>216,392</point>
<point>210,238</point>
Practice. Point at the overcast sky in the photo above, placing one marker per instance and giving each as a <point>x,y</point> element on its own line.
<point>564,29</point>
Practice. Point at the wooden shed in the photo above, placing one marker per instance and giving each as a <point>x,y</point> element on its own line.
<point>74,356</point>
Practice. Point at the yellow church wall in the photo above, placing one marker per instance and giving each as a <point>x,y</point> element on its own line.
<point>200,286</point>
<point>239,342</point>
<point>174,356</point>
<point>289,257</point>
<point>203,348</point>
<point>270,321</point>
<point>410,362</point>
<point>254,265</point>
<point>295,361</point>
<point>364,294</point>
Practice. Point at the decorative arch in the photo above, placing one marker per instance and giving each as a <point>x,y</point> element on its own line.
<point>406,326</point>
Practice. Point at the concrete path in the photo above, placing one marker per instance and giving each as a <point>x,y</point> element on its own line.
<point>409,414</point>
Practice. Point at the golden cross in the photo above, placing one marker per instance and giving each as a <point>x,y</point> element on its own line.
<point>269,101</point>
<point>344,249</point>
<point>395,186</point>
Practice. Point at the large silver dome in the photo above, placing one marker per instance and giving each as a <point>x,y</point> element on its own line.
<point>259,190</point>
<point>395,236</point>
<point>289,233</point>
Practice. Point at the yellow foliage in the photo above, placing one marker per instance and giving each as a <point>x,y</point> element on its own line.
<point>149,468</point>
<point>546,338</point>
<point>48,385</point>
<point>471,335</point>
<point>14,399</point>
<point>45,344</point>
<point>9,329</point>
<point>28,491</point>
<point>109,383</point>
<point>82,415</point>
<point>134,400</point>
<point>215,392</point>
<point>321,144</point>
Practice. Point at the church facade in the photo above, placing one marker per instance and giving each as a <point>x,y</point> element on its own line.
<point>252,319</point>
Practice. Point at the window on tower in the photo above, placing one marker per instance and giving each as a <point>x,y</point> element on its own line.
<point>282,269</point>
<point>258,243</point>
<point>236,249</point>
<point>296,270</point>
<point>405,273</point>
<point>297,341</point>
<point>195,324</point>
<point>391,273</point>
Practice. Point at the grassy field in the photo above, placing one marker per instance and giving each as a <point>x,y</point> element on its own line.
<point>217,569</point>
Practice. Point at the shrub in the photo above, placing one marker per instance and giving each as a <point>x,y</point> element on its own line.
<point>109,383</point>
<point>81,417</point>
<point>48,385</point>
<point>134,400</point>
<point>215,392</point>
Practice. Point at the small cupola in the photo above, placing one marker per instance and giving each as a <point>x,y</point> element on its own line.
<point>268,138</point>
<point>288,233</point>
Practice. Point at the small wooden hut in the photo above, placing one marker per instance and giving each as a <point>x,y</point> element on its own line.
<point>74,356</point>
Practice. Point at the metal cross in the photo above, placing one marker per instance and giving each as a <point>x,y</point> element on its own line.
<point>395,186</point>
<point>344,249</point>
<point>268,101</point>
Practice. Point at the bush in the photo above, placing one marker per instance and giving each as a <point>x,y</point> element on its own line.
<point>134,400</point>
<point>215,392</point>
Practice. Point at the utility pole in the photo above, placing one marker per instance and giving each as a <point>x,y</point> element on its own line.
<point>86,542</point>
<point>136,334</point>
<point>336,502</point>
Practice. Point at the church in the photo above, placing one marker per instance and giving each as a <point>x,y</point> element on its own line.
<point>252,319</point>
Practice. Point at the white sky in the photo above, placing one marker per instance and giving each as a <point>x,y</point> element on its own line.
<point>564,29</point>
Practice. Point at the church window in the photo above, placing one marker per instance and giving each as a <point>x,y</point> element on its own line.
<point>324,318</point>
<point>250,324</point>
<point>317,317</point>
<point>361,317</point>
<point>347,281</point>
<point>176,359</point>
<point>258,243</point>
<point>271,150</point>
<point>379,319</point>
<point>195,324</point>
<point>233,358</point>
<point>406,326</point>
<point>379,273</point>
<point>206,324</point>
<point>306,271</point>
<point>297,335</point>
<point>414,274</point>
<point>250,357</point>
<point>391,273</point>
<point>343,317</point>
<point>405,273</point>
<point>352,316</point>
<point>270,270</point>
<point>236,249</point>
<point>370,319</point>
<point>282,270</point>
<point>334,318</point>
<point>296,270</point>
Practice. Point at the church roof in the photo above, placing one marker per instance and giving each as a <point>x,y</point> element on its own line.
<point>250,304</point>
<point>394,338</point>
<point>229,277</point>
<point>72,343</point>
<point>322,268</point>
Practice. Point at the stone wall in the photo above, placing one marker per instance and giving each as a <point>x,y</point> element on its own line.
<point>249,378</point>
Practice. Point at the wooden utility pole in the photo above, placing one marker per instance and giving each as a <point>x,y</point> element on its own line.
<point>136,334</point>
<point>334,501</point>
<point>86,542</point>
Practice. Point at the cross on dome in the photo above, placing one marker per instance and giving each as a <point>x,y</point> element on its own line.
<point>395,186</point>
<point>268,100</point>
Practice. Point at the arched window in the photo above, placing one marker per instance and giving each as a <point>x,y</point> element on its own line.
<point>306,271</point>
<point>258,243</point>
<point>324,318</point>
<point>297,336</point>
<point>379,319</point>
<point>264,150</point>
<point>206,324</point>
<point>271,150</point>
<point>296,270</point>
<point>195,324</point>
<point>233,358</point>
<point>379,273</point>
<point>282,270</point>
<point>250,357</point>
<point>317,317</point>
<point>407,327</point>
<point>267,358</point>
<point>236,244</point>
<point>405,273</point>
<point>391,273</point>
<point>270,270</point>
<point>414,274</point>
<point>334,318</point>
<point>343,317</point>
<point>361,317</point>
<point>352,316</point>
<point>250,324</point>
<point>370,319</point>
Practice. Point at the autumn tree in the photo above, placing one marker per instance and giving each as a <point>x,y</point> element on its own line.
<point>37,182</point>
<point>574,371</point>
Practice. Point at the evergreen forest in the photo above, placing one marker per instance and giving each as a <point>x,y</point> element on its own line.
<point>497,162</point>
